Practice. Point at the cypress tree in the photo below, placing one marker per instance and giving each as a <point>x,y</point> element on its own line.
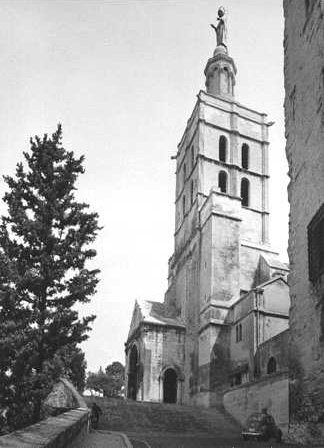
<point>45,244</point>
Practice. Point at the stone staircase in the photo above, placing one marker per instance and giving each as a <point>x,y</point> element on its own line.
<point>130,416</point>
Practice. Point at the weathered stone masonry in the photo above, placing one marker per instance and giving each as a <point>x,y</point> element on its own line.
<point>304,114</point>
<point>207,331</point>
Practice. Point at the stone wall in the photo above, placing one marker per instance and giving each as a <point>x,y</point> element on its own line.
<point>277,348</point>
<point>163,348</point>
<point>64,431</point>
<point>304,115</point>
<point>271,392</point>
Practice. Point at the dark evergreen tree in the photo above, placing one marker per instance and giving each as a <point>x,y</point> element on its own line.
<point>45,242</point>
<point>73,365</point>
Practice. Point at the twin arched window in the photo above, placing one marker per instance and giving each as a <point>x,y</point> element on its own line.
<point>222,152</point>
<point>222,147</point>
<point>245,161</point>
<point>222,181</point>
<point>245,192</point>
<point>245,156</point>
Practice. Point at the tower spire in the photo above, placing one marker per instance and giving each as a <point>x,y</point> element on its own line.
<point>220,70</point>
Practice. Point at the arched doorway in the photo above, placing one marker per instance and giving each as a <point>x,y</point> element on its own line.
<point>132,386</point>
<point>170,386</point>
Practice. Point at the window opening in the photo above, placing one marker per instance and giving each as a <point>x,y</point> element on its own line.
<point>222,181</point>
<point>245,192</point>
<point>272,365</point>
<point>245,156</point>
<point>222,148</point>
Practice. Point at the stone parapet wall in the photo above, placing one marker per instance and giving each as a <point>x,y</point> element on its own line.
<point>271,393</point>
<point>63,431</point>
<point>66,430</point>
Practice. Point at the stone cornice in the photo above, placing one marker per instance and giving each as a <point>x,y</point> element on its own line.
<point>255,246</point>
<point>219,304</point>
<point>234,131</point>
<point>141,327</point>
<point>212,324</point>
<point>232,102</point>
<point>200,99</point>
<point>233,166</point>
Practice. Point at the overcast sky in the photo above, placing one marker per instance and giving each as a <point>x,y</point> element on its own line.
<point>122,77</point>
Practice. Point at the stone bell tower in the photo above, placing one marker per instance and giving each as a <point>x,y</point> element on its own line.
<point>221,222</point>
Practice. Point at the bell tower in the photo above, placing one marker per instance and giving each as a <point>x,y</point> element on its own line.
<point>221,218</point>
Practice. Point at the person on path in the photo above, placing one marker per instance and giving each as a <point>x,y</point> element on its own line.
<point>95,415</point>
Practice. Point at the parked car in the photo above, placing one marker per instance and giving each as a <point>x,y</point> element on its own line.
<point>261,426</point>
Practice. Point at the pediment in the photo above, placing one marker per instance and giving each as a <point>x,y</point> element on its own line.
<point>137,318</point>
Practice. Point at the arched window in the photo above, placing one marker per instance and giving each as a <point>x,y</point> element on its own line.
<point>183,205</point>
<point>226,78</point>
<point>191,192</point>
<point>192,157</point>
<point>245,192</point>
<point>238,332</point>
<point>245,156</point>
<point>184,173</point>
<point>222,181</point>
<point>272,365</point>
<point>222,148</point>
<point>133,374</point>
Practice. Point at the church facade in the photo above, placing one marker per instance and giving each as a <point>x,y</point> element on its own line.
<point>227,292</point>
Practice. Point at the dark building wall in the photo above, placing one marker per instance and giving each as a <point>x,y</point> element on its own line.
<point>304,109</point>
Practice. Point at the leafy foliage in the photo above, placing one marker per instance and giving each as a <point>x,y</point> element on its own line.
<point>45,242</point>
<point>108,383</point>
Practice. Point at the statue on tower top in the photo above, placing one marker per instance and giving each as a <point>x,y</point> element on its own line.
<point>221,28</point>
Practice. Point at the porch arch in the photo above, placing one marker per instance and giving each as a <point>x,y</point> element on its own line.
<point>133,373</point>
<point>171,384</point>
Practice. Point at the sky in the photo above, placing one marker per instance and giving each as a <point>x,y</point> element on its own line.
<point>122,78</point>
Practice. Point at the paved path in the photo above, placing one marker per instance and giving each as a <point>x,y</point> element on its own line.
<point>197,440</point>
<point>105,439</point>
